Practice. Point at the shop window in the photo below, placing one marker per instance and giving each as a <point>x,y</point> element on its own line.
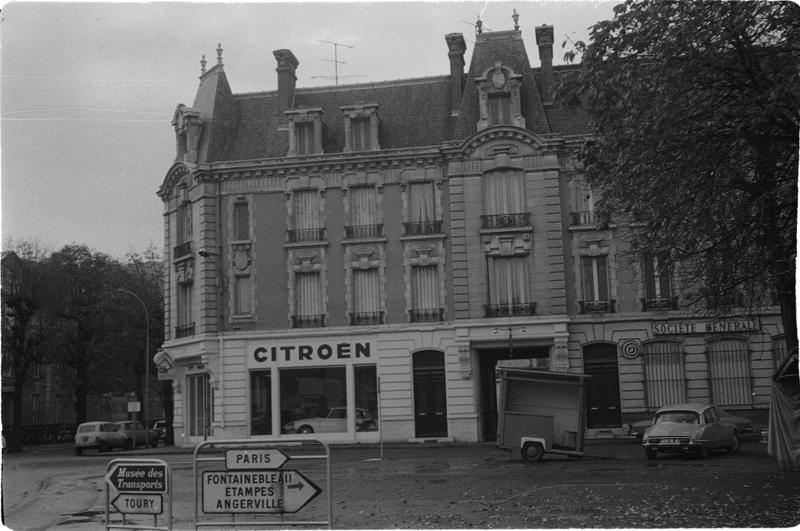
<point>729,372</point>
<point>306,216</point>
<point>260,403</point>
<point>366,297</point>
<point>425,305</point>
<point>664,377</point>
<point>309,395</point>
<point>657,272</point>
<point>308,300</point>
<point>364,221</point>
<point>366,387</point>
<point>241,221</point>
<point>594,273</point>
<point>504,200</point>
<point>779,351</point>
<point>421,210</point>
<point>199,401</point>
<point>508,287</point>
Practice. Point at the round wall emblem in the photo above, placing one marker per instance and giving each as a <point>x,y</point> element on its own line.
<point>630,348</point>
<point>498,78</point>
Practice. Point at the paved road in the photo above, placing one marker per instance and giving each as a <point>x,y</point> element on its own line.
<point>470,486</point>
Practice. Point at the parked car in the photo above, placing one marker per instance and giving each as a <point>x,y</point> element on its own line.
<point>133,430</point>
<point>160,427</point>
<point>100,436</point>
<point>335,421</point>
<point>743,425</point>
<point>689,428</point>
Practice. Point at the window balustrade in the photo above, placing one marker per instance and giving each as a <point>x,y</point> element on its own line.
<point>363,231</point>
<point>305,235</point>
<point>426,315</point>
<point>417,228</point>
<point>186,330</point>
<point>510,309</point>
<point>660,303</point>
<point>181,250</point>
<point>366,318</point>
<point>308,321</point>
<point>597,306</point>
<point>505,221</point>
<point>583,217</point>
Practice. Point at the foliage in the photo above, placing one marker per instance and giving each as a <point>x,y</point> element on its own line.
<point>696,107</point>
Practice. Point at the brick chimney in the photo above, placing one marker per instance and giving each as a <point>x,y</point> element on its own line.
<point>287,66</point>
<point>456,48</point>
<point>544,39</point>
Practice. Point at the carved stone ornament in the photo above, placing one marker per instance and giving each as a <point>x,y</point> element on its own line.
<point>241,258</point>
<point>498,78</point>
<point>630,348</point>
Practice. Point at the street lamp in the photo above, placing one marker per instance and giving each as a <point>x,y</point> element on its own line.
<point>146,362</point>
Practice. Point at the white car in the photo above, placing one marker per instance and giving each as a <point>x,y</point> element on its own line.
<point>100,436</point>
<point>334,422</point>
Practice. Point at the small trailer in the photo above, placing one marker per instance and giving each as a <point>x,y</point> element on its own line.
<point>541,412</point>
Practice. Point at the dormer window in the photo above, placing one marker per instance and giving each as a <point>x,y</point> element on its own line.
<point>361,127</point>
<point>305,131</point>
<point>499,97</point>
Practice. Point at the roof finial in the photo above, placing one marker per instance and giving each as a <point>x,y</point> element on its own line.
<point>203,65</point>
<point>515,16</point>
<point>219,54</point>
<point>479,26</point>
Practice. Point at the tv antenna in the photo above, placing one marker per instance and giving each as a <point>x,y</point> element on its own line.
<point>336,62</point>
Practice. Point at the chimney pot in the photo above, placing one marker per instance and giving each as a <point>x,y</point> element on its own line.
<point>544,40</point>
<point>456,48</point>
<point>287,79</point>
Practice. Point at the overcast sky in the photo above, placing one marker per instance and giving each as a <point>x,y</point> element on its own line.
<point>88,90</point>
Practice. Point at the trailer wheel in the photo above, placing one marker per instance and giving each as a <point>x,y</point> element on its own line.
<point>532,451</point>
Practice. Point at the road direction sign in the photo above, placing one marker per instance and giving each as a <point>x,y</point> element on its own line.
<point>253,491</point>
<point>138,477</point>
<point>255,459</point>
<point>138,503</point>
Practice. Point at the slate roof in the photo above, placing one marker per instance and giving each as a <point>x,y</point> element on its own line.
<point>413,112</point>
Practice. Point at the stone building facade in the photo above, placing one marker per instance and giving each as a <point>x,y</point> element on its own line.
<point>355,260</point>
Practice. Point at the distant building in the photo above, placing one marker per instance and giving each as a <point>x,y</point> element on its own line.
<point>381,246</point>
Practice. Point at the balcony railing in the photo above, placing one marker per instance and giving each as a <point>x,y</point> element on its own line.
<point>510,309</point>
<point>422,227</point>
<point>363,231</point>
<point>505,221</point>
<point>184,249</point>
<point>598,306</point>
<point>422,316</point>
<point>366,318</point>
<point>660,303</point>
<point>184,330</point>
<point>583,217</point>
<point>305,235</point>
<point>308,321</point>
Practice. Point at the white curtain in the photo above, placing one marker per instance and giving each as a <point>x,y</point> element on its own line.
<point>306,209</point>
<point>504,192</point>
<point>308,294</point>
<point>366,291</point>
<point>363,205</point>
<point>508,280</point>
<point>425,288</point>
<point>421,202</point>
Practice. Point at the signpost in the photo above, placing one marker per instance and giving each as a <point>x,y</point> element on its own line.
<point>140,486</point>
<point>255,482</point>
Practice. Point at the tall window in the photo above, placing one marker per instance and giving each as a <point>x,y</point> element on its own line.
<point>499,108</point>
<point>664,378</point>
<point>199,405</point>
<point>425,305</point>
<point>504,200</point>
<point>243,294</point>
<point>184,325</point>
<point>308,300</point>
<point>241,221</point>
<point>363,213</point>
<point>779,351</point>
<point>421,209</point>
<point>581,202</point>
<point>360,131</point>
<point>184,222</point>
<point>657,281</point>
<point>304,137</point>
<point>595,285</point>
<point>366,297</point>
<point>729,371</point>
<point>508,287</point>
<point>306,216</point>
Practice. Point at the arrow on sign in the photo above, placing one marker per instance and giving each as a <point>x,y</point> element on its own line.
<point>138,503</point>
<point>136,477</point>
<point>255,459</point>
<point>294,498</point>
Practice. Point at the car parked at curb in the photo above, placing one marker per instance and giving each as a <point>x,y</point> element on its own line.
<point>335,421</point>
<point>100,436</point>
<point>689,428</point>
<point>743,425</point>
<point>136,434</point>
